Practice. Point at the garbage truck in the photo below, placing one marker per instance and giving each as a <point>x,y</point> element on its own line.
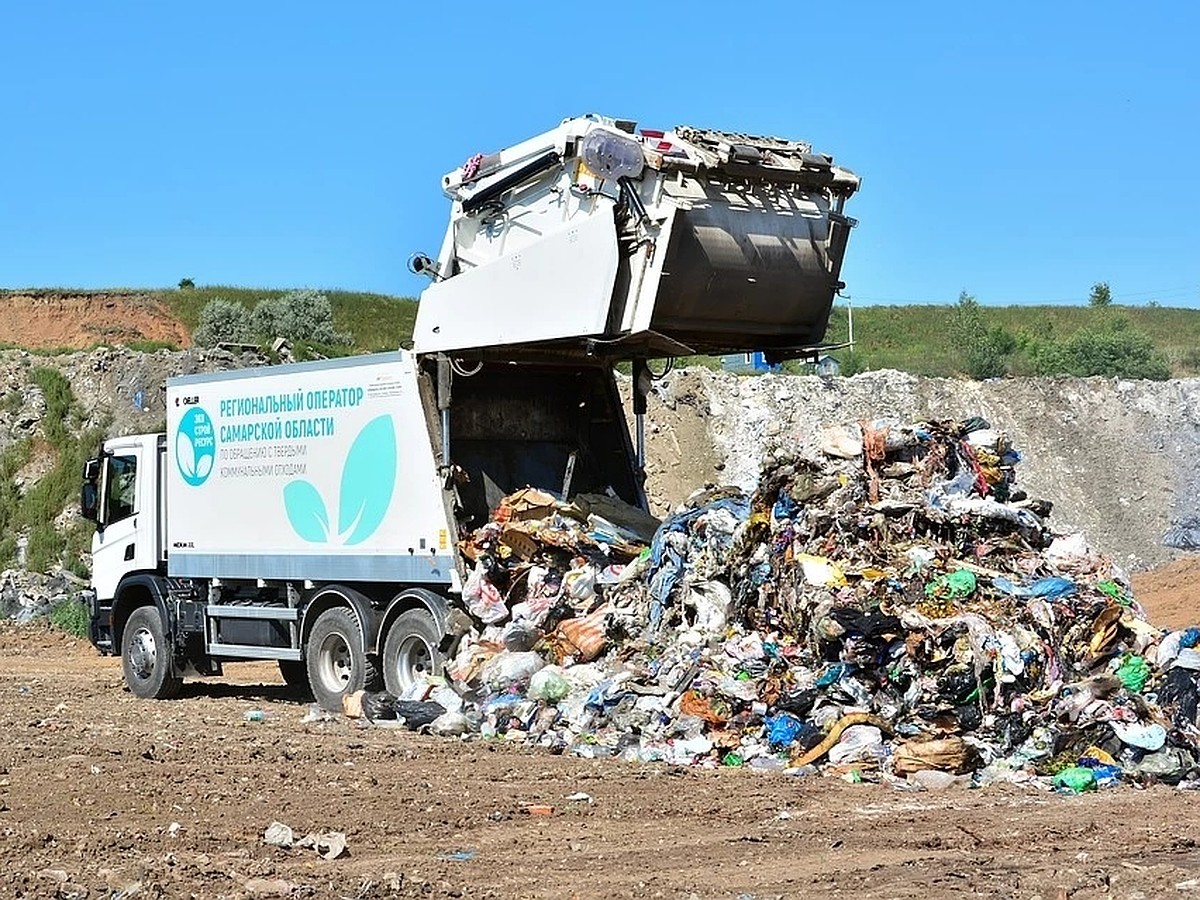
<point>309,513</point>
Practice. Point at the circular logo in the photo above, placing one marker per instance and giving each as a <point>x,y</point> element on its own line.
<point>195,446</point>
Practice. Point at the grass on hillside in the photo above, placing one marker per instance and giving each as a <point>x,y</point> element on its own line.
<point>917,338</point>
<point>910,338</point>
<point>35,509</point>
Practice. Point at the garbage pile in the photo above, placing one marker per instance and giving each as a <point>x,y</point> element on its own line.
<point>888,604</point>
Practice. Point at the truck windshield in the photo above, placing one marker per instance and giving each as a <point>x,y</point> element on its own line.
<point>120,489</point>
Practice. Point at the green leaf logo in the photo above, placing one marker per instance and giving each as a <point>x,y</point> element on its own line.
<point>368,481</point>
<point>306,511</point>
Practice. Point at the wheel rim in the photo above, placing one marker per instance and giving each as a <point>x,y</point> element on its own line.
<point>143,653</point>
<point>336,663</point>
<point>414,658</point>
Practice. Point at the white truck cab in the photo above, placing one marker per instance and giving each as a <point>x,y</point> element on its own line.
<point>127,497</point>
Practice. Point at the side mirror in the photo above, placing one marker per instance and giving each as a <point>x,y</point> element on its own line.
<point>89,494</point>
<point>89,501</point>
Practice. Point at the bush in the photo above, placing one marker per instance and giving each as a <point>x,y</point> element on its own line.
<point>222,321</point>
<point>982,352</point>
<point>1100,295</point>
<point>60,404</point>
<point>70,616</point>
<point>1110,348</point>
<point>852,362</point>
<point>300,316</point>
<point>269,318</point>
<point>1190,360</point>
<point>34,510</point>
<point>45,548</point>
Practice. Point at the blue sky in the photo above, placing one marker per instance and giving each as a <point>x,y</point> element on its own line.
<point>1019,151</point>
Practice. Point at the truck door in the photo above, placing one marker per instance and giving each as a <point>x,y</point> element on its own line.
<point>125,520</point>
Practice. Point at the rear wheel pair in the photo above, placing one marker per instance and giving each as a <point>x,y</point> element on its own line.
<point>337,663</point>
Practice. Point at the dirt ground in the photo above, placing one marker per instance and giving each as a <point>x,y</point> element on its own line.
<point>103,796</point>
<point>46,319</point>
<point>1171,592</point>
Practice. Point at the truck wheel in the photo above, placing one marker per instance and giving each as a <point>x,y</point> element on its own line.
<point>410,651</point>
<point>295,676</point>
<point>146,656</point>
<point>337,664</point>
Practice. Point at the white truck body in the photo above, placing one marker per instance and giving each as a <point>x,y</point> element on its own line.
<point>327,466</point>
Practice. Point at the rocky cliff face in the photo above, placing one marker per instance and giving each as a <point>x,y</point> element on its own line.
<point>1118,458</point>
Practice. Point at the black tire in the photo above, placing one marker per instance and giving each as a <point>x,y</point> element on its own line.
<point>295,675</point>
<point>146,656</point>
<point>335,660</point>
<point>411,649</point>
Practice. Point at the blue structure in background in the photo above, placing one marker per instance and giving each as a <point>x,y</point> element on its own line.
<point>747,363</point>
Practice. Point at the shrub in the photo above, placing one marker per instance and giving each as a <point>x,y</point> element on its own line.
<point>982,351</point>
<point>34,510</point>
<point>302,317</point>
<point>8,551</point>
<point>220,321</point>
<point>1190,360</point>
<point>45,548</point>
<point>60,404</point>
<point>852,362</point>
<point>1110,348</point>
<point>186,284</point>
<point>1101,294</point>
<point>71,616</point>
<point>269,318</point>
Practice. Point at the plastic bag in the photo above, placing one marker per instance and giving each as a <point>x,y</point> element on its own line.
<point>783,729</point>
<point>520,636</point>
<point>858,743</point>
<point>416,713</point>
<point>1150,736</point>
<point>842,442</point>
<point>378,706</point>
<point>580,583</point>
<point>738,689</point>
<point>1075,779</point>
<point>584,637</point>
<point>819,571</point>
<point>1184,535</point>
<point>450,724</point>
<point>959,583</point>
<point>548,684</point>
<point>507,668</point>
<point>1168,764</point>
<point>483,598</point>
<point>1133,672</point>
<point>710,602</point>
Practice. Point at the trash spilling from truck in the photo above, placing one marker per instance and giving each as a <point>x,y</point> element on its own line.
<point>887,604</point>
